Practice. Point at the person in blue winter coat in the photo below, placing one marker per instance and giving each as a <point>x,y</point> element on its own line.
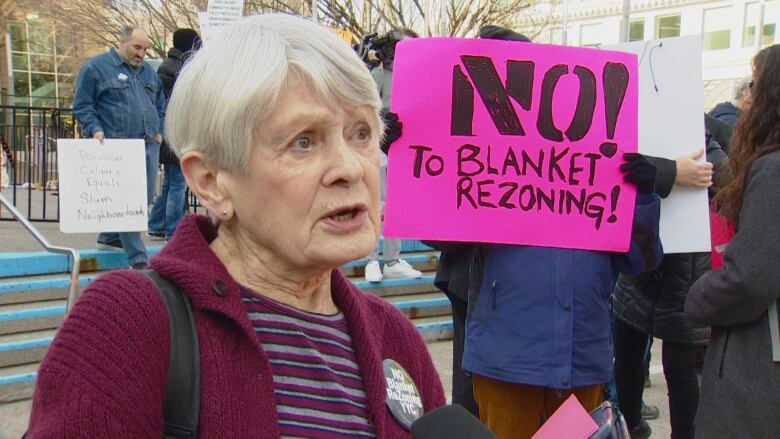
<point>728,111</point>
<point>538,320</point>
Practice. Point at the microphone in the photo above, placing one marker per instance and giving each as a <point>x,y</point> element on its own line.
<point>450,422</point>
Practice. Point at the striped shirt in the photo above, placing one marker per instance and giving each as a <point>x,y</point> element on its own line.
<point>317,381</point>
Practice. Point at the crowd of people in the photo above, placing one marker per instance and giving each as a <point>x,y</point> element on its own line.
<point>283,150</point>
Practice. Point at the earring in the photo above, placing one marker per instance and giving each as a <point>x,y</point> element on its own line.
<point>224,212</point>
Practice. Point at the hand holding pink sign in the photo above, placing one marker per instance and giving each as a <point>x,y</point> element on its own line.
<point>511,142</point>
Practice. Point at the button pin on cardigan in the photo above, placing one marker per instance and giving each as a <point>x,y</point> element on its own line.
<point>403,398</point>
<point>220,288</point>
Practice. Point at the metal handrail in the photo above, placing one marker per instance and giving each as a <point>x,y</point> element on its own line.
<point>74,272</point>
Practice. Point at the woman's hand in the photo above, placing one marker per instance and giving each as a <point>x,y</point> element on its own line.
<point>691,172</point>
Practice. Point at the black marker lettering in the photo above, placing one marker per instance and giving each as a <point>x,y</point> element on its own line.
<point>464,190</point>
<point>504,201</point>
<point>573,169</point>
<point>554,166</point>
<point>482,196</point>
<point>593,158</point>
<point>495,97</point>
<point>469,153</point>
<point>462,104</point>
<point>418,158</point>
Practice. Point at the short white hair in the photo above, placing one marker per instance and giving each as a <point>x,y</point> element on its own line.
<point>233,83</point>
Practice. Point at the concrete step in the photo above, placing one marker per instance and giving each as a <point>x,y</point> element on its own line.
<point>435,328</point>
<point>25,317</point>
<point>28,340</point>
<point>424,261</point>
<point>416,306</point>
<point>395,287</point>
<point>25,288</point>
<point>44,314</point>
<point>21,289</point>
<point>37,263</point>
<point>24,348</point>
<point>17,382</point>
<point>29,337</point>
<point>32,305</point>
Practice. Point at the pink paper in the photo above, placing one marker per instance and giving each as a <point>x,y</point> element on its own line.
<point>509,189</point>
<point>570,421</point>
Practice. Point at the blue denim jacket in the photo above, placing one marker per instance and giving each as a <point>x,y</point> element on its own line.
<point>122,101</point>
<point>540,316</point>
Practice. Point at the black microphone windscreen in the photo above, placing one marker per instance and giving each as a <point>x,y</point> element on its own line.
<point>450,422</point>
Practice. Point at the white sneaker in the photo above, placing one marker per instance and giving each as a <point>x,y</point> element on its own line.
<point>373,272</point>
<point>401,270</point>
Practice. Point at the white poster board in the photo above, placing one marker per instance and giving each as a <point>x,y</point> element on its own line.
<point>205,29</point>
<point>671,123</point>
<point>224,12</point>
<point>102,187</point>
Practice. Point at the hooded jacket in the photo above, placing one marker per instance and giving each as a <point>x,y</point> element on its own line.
<point>725,112</point>
<point>653,302</point>
<point>540,316</point>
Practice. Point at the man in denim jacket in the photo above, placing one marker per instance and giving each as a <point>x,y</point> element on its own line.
<point>118,96</point>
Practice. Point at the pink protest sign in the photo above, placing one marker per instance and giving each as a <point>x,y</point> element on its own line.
<point>510,142</point>
<point>570,421</point>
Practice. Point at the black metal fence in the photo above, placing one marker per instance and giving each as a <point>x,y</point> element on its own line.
<point>29,148</point>
<point>29,141</point>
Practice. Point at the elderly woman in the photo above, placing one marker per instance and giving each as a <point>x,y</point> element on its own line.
<point>276,123</point>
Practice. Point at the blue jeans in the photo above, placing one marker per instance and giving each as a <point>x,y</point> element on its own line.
<point>131,241</point>
<point>168,207</point>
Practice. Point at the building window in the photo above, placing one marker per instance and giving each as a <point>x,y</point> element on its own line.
<point>753,15</point>
<point>636,30</point>
<point>667,26</point>
<point>590,35</point>
<point>717,28</point>
<point>42,66</point>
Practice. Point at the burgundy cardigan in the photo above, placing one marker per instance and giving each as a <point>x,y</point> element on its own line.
<point>105,372</point>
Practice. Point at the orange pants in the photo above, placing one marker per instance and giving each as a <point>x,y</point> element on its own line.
<point>517,411</point>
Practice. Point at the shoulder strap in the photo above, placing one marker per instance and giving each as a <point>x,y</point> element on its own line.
<point>181,407</point>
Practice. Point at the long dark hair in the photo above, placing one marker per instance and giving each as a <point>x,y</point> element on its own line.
<point>757,132</point>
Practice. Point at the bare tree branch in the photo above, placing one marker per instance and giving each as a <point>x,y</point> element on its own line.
<point>100,21</point>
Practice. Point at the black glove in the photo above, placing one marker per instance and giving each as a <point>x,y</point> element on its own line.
<point>638,171</point>
<point>393,130</point>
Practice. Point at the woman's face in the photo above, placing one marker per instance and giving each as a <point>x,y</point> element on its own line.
<point>311,195</point>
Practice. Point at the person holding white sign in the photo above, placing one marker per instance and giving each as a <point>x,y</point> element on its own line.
<point>651,304</point>
<point>118,96</point>
<point>282,148</point>
<point>740,386</point>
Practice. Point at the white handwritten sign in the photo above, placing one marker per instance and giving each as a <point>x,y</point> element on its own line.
<point>102,187</point>
<point>224,12</point>
<point>205,28</point>
<point>671,123</point>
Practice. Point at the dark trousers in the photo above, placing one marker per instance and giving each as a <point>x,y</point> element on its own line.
<point>679,362</point>
<point>462,391</point>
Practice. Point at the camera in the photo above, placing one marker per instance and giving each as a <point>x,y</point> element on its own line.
<point>383,46</point>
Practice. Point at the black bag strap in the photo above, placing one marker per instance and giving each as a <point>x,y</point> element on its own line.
<point>181,407</point>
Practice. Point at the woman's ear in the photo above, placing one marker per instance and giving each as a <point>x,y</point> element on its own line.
<point>207,183</point>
